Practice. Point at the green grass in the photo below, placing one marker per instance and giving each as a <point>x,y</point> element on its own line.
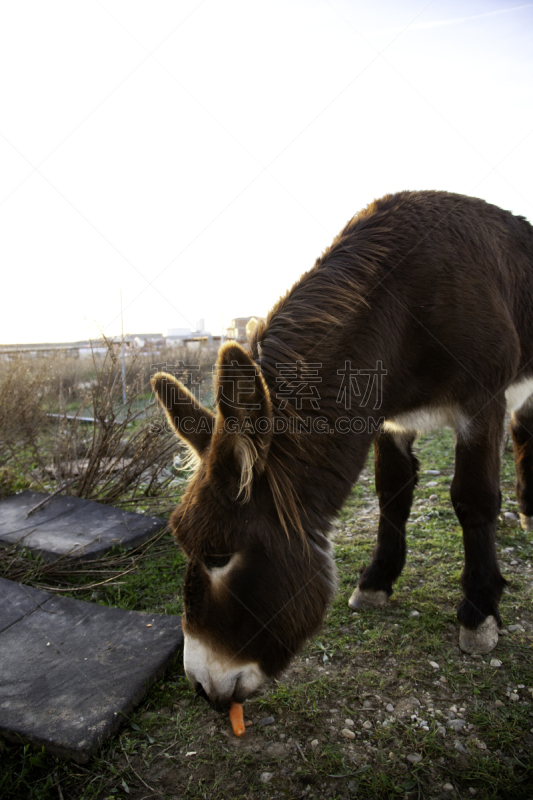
<point>154,585</point>
<point>375,657</point>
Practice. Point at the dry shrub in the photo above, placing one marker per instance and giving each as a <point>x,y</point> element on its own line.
<point>22,416</point>
<point>67,376</point>
<point>124,454</point>
<point>194,369</point>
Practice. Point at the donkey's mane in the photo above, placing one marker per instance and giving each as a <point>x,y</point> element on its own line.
<point>323,296</point>
<point>304,326</point>
<point>300,326</point>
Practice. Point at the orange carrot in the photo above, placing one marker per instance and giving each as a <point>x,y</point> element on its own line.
<point>237,718</point>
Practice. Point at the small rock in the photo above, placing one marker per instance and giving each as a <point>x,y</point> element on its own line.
<point>349,723</point>
<point>406,706</point>
<point>448,787</point>
<point>277,750</point>
<point>266,777</point>
<point>498,703</point>
<point>414,758</point>
<point>433,497</point>
<point>414,614</point>
<point>509,515</point>
<point>432,471</point>
<point>431,484</point>
<point>266,721</point>
<point>472,790</point>
<point>347,733</point>
<point>514,697</point>
<point>441,730</point>
<point>514,628</point>
<point>314,744</point>
<point>367,725</point>
<point>389,707</point>
<point>458,746</point>
<point>503,632</point>
<point>456,724</point>
<point>434,665</point>
<point>367,704</point>
<point>495,662</point>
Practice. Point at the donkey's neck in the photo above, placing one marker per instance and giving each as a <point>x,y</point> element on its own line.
<point>322,464</point>
<point>323,430</point>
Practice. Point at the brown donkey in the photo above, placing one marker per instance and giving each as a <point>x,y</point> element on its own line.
<point>419,314</point>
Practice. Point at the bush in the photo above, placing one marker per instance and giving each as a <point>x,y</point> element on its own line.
<point>22,416</point>
<point>124,455</point>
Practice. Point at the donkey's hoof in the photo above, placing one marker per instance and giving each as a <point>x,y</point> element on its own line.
<point>481,640</point>
<point>368,598</point>
<point>526,522</point>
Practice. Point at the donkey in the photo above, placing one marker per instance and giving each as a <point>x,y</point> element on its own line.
<point>430,295</point>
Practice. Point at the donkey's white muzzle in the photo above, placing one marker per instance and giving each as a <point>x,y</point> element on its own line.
<point>222,678</point>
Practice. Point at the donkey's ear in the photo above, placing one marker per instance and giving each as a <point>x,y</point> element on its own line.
<point>243,424</point>
<point>189,419</point>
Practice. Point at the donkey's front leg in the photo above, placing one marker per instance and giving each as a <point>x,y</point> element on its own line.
<point>475,495</point>
<point>396,477</point>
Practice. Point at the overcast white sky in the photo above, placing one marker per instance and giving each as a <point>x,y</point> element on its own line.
<point>199,155</point>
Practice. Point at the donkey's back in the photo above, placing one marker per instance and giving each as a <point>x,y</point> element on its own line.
<point>449,296</point>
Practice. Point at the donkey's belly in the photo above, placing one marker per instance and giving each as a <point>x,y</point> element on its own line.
<point>518,392</point>
<point>423,420</point>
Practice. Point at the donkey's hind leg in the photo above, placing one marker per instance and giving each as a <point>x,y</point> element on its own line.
<point>396,477</point>
<point>522,433</point>
<point>475,494</point>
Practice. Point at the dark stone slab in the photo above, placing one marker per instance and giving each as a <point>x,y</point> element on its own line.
<point>17,600</point>
<point>71,671</point>
<point>71,526</point>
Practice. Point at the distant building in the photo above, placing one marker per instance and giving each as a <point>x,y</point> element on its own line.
<point>242,328</point>
<point>197,342</point>
<point>178,333</point>
<point>132,342</point>
<point>43,349</point>
<point>141,340</point>
<point>87,347</point>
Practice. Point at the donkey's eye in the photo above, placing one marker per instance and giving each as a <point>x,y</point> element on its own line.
<point>211,562</point>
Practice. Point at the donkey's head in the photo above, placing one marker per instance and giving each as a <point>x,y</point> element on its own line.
<point>257,582</point>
